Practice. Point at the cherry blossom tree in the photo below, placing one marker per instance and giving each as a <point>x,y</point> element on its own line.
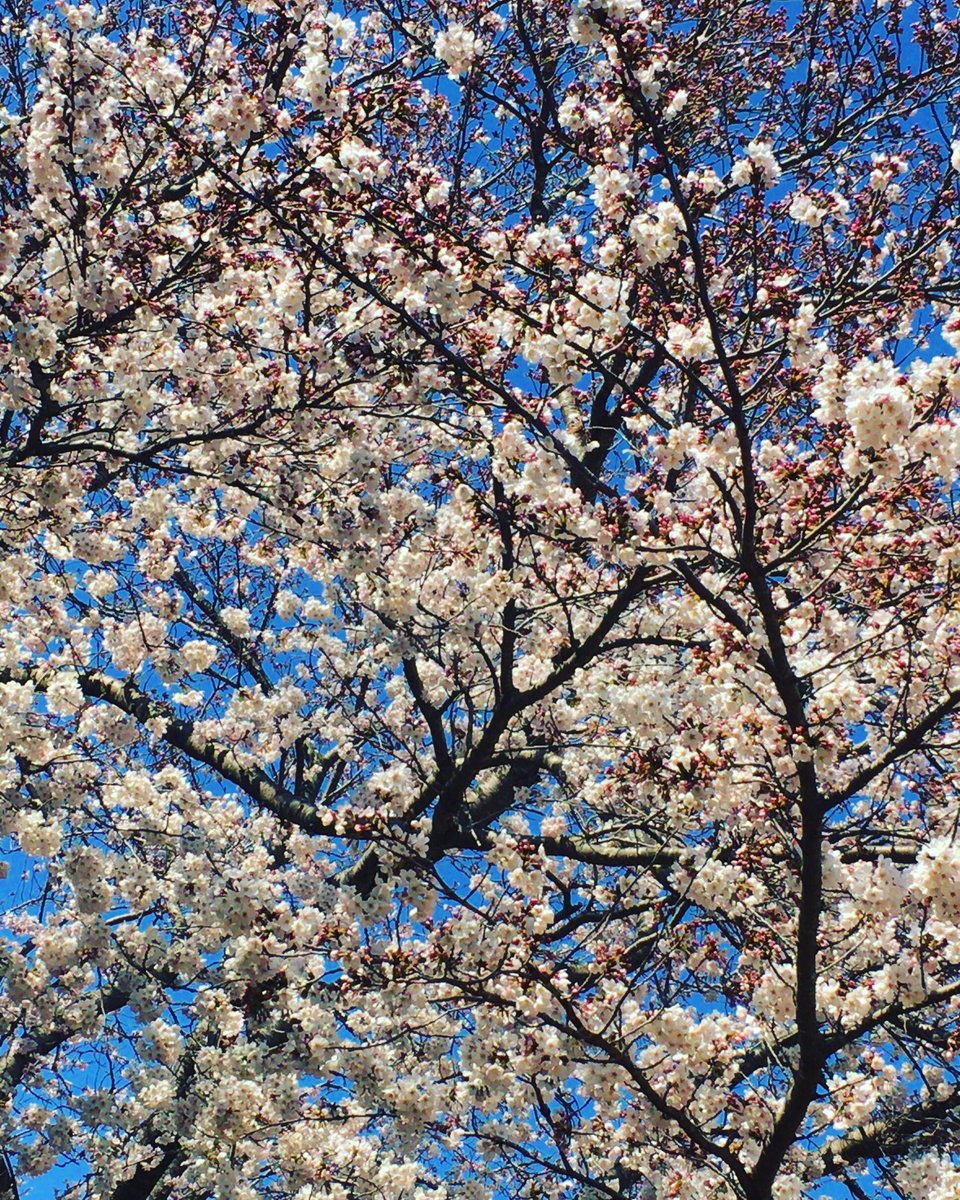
<point>480,662</point>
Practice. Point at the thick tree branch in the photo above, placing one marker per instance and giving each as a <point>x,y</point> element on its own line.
<point>183,736</point>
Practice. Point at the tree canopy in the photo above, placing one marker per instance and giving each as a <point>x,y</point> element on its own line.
<point>480,635</point>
